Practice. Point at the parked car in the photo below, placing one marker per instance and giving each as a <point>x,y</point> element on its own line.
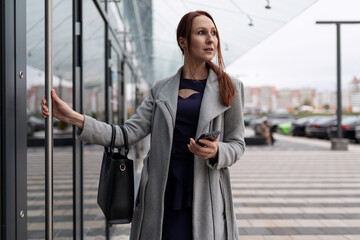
<point>39,124</point>
<point>274,121</point>
<point>357,131</point>
<point>348,124</point>
<point>298,126</point>
<point>30,128</point>
<point>284,128</point>
<point>249,118</point>
<point>318,127</point>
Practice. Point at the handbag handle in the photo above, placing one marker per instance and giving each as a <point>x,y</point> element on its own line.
<point>125,140</point>
<point>113,136</point>
<point>112,142</point>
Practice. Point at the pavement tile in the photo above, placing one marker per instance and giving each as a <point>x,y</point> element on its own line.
<point>295,190</point>
<point>284,231</point>
<point>352,237</point>
<point>304,237</point>
<point>252,238</point>
<point>280,237</point>
<point>327,237</point>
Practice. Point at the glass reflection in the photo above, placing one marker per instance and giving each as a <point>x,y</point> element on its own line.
<point>62,83</point>
<point>114,65</point>
<point>130,91</point>
<point>93,105</point>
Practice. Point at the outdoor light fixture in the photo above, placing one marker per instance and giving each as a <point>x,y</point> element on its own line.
<point>251,21</point>
<point>268,4</point>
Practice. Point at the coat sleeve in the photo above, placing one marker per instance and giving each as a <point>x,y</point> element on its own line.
<point>137,127</point>
<point>233,145</point>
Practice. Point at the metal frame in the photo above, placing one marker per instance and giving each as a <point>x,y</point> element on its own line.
<point>13,117</point>
<point>78,223</point>
<point>1,116</point>
<point>13,112</point>
<point>49,142</point>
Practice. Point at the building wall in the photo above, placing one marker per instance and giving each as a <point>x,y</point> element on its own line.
<point>270,99</point>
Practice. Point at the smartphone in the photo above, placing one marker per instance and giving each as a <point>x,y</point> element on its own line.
<point>208,136</point>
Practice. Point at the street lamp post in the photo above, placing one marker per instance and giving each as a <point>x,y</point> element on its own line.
<point>339,143</point>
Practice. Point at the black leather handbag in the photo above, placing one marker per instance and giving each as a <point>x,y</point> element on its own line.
<point>116,184</point>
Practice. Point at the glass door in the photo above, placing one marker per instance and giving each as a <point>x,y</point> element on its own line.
<point>62,132</point>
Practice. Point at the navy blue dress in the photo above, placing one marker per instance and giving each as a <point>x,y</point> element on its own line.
<point>177,221</point>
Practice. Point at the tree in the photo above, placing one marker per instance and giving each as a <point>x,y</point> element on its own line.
<point>307,102</point>
<point>326,107</point>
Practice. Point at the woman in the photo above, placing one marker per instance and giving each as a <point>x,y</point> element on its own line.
<point>184,190</point>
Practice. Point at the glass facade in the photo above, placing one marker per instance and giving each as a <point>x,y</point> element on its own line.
<point>62,83</point>
<point>108,79</point>
<point>36,126</point>
<point>94,105</point>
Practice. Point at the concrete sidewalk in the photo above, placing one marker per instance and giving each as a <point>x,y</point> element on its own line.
<point>307,192</point>
<point>297,189</point>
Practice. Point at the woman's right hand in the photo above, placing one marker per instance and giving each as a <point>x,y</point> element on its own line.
<point>62,111</point>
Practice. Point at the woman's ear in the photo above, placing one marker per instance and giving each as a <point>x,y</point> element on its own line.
<point>182,42</point>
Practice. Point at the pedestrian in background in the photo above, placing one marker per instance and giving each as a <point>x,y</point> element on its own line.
<point>184,190</point>
<point>265,131</point>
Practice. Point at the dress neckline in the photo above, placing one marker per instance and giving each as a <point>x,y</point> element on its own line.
<point>189,79</point>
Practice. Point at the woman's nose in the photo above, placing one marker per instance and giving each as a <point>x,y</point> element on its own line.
<point>209,38</point>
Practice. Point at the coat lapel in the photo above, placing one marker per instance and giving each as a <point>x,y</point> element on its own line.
<point>169,95</point>
<point>211,106</point>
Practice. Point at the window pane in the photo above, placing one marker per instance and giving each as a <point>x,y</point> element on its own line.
<point>62,83</point>
<point>93,105</point>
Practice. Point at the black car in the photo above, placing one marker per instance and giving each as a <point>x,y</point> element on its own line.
<point>30,128</point>
<point>249,118</point>
<point>298,126</point>
<point>39,124</point>
<point>318,127</point>
<point>348,124</point>
<point>357,132</point>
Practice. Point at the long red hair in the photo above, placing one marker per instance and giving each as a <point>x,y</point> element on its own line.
<point>227,88</point>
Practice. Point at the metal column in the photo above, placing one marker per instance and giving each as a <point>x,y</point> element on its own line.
<point>48,123</point>
<point>338,143</point>
<point>339,106</point>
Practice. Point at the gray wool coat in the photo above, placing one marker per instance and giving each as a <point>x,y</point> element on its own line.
<point>213,212</point>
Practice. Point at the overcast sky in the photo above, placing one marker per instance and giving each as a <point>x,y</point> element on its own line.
<point>303,54</point>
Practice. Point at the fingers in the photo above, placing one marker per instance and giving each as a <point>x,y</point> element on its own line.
<point>44,108</point>
<point>43,101</point>
<point>210,151</point>
<point>54,95</point>
<point>45,112</point>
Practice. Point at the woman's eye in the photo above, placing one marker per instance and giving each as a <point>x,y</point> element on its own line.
<point>213,33</point>
<point>201,32</point>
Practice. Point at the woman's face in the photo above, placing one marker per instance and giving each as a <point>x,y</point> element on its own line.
<point>203,39</point>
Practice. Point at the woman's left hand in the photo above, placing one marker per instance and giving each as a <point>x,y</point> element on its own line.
<point>209,151</point>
